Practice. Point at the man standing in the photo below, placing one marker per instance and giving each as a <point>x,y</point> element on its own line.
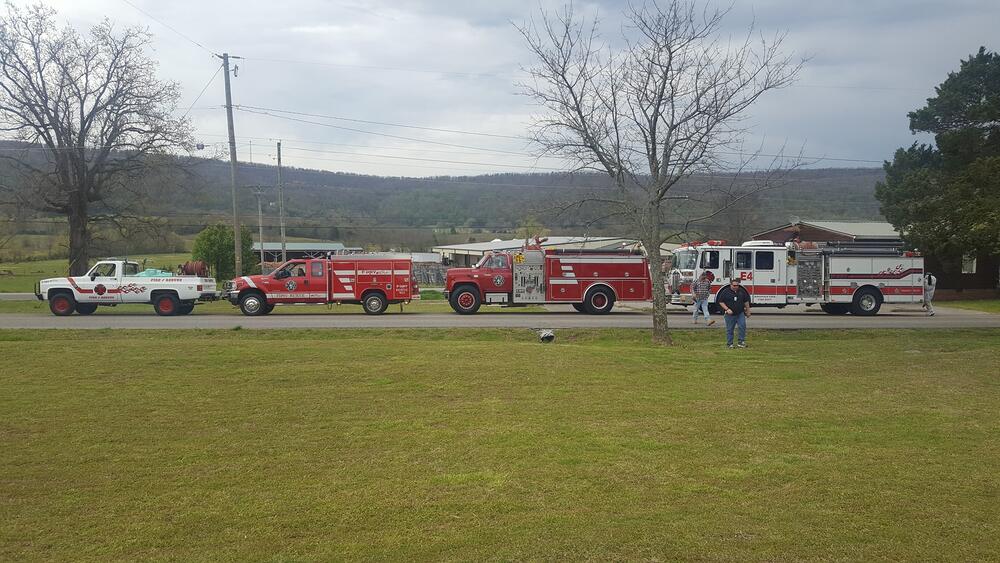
<point>735,302</point>
<point>701,288</point>
<point>930,283</point>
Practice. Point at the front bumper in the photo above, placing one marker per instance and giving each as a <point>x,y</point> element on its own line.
<point>232,296</point>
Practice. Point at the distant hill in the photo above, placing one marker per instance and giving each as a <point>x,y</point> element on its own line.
<point>417,212</point>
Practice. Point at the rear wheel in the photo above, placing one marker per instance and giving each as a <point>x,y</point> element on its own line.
<point>166,304</point>
<point>62,304</point>
<point>835,308</point>
<point>86,308</point>
<point>579,308</point>
<point>465,300</point>
<point>867,302</point>
<point>599,301</point>
<point>253,304</point>
<point>374,303</point>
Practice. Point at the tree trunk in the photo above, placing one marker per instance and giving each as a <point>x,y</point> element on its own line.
<point>661,332</point>
<point>79,239</point>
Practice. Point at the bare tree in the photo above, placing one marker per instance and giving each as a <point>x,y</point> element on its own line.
<point>667,105</point>
<point>92,115</point>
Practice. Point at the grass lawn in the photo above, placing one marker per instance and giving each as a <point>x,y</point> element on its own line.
<point>984,305</point>
<point>485,444</point>
<point>27,273</point>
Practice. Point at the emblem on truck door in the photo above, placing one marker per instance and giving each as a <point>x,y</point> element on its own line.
<point>290,285</point>
<point>498,280</point>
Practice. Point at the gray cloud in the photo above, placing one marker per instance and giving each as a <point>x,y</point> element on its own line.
<point>452,64</point>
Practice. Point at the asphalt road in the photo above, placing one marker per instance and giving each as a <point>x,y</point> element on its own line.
<point>559,317</point>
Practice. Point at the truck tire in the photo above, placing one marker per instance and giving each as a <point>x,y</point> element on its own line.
<point>465,300</point>
<point>267,309</point>
<point>579,308</point>
<point>867,302</point>
<point>253,304</point>
<point>599,301</point>
<point>62,304</point>
<point>86,308</point>
<point>835,308</point>
<point>166,304</point>
<point>374,303</point>
<point>185,308</point>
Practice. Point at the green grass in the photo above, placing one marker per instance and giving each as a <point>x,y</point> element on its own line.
<point>27,273</point>
<point>485,444</point>
<point>984,305</point>
<point>225,308</point>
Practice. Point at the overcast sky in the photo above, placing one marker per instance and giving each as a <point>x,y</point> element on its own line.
<point>452,64</point>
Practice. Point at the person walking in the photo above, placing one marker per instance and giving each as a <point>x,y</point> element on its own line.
<point>930,283</point>
<point>735,303</point>
<point>701,288</point>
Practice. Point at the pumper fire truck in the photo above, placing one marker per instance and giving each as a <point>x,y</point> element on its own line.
<point>372,281</point>
<point>113,282</point>
<point>840,278</point>
<point>589,280</point>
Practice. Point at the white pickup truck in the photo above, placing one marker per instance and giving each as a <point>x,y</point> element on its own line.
<point>112,282</point>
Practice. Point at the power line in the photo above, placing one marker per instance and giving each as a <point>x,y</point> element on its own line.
<point>456,131</point>
<point>413,139</point>
<point>200,94</point>
<point>389,68</point>
<point>168,26</point>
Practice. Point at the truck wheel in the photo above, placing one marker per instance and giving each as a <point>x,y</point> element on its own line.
<point>374,303</point>
<point>465,300</point>
<point>86,308</point>
<point>867,302</point>
<point>599,301</point>
<point>579,308</point>
<point>252,304</point>
<point>185,309</point>
<point>834,308</point>
<point>166,304</point>
<point>267,309</point>
<point>62,304</point>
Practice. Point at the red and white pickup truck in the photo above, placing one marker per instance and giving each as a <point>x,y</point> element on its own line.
<point>373,281</point>
<point>115,282</point>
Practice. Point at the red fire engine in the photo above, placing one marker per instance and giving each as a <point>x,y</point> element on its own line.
<point>589,280</point>
<point>372,281</point>
<point>840,278</point>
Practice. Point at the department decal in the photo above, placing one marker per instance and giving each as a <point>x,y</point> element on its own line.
<point>290,285</point>
<point>498,280</point>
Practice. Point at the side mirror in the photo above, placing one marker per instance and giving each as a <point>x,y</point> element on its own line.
<point>93,277</point>
<point>282,274</point>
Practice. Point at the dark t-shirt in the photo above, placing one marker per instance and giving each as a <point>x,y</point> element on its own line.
<point>735,300</point>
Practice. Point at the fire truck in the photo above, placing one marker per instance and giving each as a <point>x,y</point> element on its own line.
<point>372,281</point>
<point>589,280</point>
<point>839,277</point>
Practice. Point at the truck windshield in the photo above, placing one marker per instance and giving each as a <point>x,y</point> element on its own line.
<point>685,259</point>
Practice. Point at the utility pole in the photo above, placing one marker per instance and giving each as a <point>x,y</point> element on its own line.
<point>237,239</point>
<point>281,208</point>
<point>260,224</point>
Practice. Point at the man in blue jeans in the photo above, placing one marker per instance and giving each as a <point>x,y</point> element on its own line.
<point>735,303</point>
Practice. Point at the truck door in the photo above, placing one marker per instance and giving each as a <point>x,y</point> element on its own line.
<point>497,274</point>
<point>768,277</point>
<point>102,284</point>
<point>290,283</point>
<point>743,269</point>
